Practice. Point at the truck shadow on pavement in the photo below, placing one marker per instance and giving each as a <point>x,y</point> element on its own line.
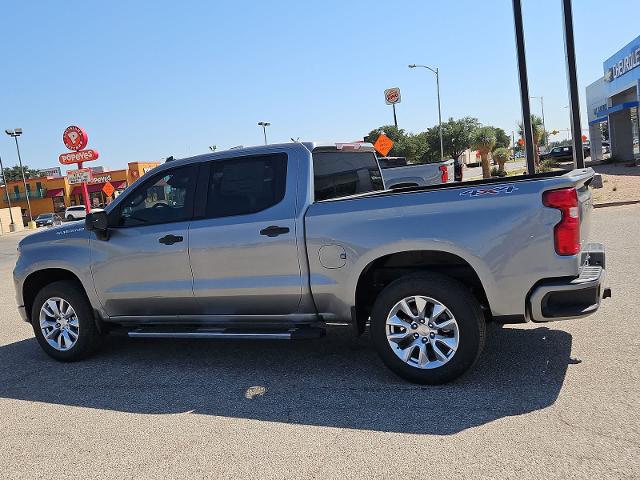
<point>337,381</point>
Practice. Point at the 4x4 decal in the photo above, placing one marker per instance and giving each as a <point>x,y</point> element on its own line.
<point>476,192</point>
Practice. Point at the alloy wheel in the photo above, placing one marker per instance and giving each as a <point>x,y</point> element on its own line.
<point>59,323</point>
<point>422,332</point>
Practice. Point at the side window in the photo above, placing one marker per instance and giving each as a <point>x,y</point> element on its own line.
<point>339,174</point>
<point>167,197</point>
<point>246,185</point>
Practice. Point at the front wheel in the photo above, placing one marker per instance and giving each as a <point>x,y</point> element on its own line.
<point>427,328</point>
<point>63,322</point>
<point>69,218</point>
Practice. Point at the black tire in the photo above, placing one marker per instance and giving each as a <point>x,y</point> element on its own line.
<point>462,305</point>
<point>88,336</point>
<point>69,218</point>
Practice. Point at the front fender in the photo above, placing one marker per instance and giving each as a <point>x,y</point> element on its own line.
<point>69,252</point>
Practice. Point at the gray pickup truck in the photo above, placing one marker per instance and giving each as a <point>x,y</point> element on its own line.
<point>275,242</point>
<point>397,173</point>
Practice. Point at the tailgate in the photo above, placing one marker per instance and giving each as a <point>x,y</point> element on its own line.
<point>585,205</point>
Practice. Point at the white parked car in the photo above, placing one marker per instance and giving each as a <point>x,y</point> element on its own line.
<point>77,212</point>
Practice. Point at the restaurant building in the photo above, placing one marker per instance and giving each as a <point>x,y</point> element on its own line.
<point>612,104</point>
<point>55,193</point>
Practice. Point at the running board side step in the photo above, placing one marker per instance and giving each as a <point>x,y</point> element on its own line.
<point>303,333</point>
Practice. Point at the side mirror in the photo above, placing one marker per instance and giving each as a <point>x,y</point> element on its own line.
<point>97,221</point>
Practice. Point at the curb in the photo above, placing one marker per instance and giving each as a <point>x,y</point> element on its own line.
<point>615,204</point>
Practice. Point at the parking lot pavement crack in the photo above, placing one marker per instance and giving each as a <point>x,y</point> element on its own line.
<point>596,432</point>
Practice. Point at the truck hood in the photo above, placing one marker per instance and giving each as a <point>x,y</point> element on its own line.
<point>71,230</point>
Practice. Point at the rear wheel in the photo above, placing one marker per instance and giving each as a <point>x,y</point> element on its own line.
<point>427,328</point>
<point>63,322</point>
<point>69,217</point>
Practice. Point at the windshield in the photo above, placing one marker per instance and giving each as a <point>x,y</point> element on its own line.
<point>44,215</point>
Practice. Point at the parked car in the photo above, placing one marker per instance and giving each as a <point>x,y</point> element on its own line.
<point>397,173</point>
<point>563,154</point>
<point>272,242</point>
<point>77,212</point>
<point>48,220</point>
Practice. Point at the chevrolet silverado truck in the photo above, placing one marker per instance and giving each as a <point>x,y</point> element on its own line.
<point>397,173</point>
<point>274,242</point>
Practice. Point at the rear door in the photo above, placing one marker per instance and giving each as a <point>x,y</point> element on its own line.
<point>244,250</point>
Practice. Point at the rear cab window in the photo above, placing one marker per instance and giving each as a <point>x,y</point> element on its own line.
<point>343,172</point>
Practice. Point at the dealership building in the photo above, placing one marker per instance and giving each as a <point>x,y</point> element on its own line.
<point>612,104</point>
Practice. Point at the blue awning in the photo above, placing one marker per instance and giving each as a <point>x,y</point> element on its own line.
<point>614,109</point>
<point>599,120</point>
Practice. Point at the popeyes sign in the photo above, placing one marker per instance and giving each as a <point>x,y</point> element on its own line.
<point>75,138</point>
<point>77,157</point>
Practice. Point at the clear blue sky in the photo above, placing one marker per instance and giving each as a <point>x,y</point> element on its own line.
<point>153,79</point>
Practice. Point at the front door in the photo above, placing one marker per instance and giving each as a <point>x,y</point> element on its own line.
<point>244,253</point>
<point>143,268</point>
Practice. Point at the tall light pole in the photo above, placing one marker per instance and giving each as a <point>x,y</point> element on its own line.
<point>541,98</point>
<point>436,71</point>
<point>12,225</point>
<point>15,134</point>
<point>264,126</point>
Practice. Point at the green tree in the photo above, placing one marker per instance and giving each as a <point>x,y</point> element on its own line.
<point>502,139</point>
<point>501,155</point>
<point>538,135</point>
<point>483,139</point>
<point>13,173</point>
<point>456,137</point>
<point>394,133</point>
<point>412,147</point>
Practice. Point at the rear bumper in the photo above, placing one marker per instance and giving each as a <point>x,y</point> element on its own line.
<point>569,298</point>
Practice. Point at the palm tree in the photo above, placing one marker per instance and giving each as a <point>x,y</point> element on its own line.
<point>483,140</point>
<point>501,155</point>
<point>538,135</point>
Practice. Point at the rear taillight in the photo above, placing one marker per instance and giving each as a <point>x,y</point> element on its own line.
<point>567,231</point>
<point>444,173</point>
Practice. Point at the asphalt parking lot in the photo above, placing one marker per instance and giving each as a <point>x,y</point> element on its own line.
<point>546,401</point>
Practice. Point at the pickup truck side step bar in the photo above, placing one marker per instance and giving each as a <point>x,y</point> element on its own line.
<point>301,333</point>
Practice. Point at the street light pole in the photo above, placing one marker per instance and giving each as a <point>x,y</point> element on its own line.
<point>12,225</point>
<point>541,98</point>
<point>15,134</point>
<point>264,126</point>
<point>436,71</point>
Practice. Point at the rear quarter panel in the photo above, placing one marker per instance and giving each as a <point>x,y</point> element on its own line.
<point>505,234</point>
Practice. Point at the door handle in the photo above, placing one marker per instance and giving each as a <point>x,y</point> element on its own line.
<point>274,231</point>
<point>170,239</point>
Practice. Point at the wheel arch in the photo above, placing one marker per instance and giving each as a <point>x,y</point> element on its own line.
<point>39,279</point>
<point>385,269</point>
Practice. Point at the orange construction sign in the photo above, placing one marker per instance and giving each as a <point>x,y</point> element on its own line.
<point>383,145</point>
<point>108,189</point>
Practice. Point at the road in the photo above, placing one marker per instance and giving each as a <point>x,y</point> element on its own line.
<point>475,173</point>
<point>546,401</point>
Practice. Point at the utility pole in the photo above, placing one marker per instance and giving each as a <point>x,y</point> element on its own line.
<point>524,87</point>
<point>15,134</point>
<point>572,80</point>
<point>436,71</point>
<point>544,127</point>
<point>264,126</point>
<point>12,225</point>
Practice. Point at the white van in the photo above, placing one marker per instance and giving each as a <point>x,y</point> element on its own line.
<point>77,212</point>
